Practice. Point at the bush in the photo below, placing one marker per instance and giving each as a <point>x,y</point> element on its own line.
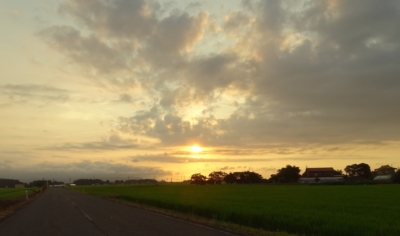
<point>396,177</point>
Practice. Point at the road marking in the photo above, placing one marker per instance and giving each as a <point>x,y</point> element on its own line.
<point>86,215</point>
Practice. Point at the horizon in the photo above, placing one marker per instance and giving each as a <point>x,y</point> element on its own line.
<point>149,88</point>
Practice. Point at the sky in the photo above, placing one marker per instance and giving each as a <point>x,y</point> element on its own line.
<point>119,89</point>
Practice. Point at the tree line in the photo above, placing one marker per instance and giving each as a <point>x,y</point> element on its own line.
<point>288,174</point>
<point>101,182</point>
<point>9,183</point>
<point>217,177</point>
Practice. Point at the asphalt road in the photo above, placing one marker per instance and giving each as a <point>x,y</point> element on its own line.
<point>63,212</point>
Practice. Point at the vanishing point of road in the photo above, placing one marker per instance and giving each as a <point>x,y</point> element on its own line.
<point>63,212</point>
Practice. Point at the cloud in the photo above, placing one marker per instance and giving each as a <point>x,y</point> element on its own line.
<point>33,93</point>
<point>173,158</point>
<point>226,168</point>
<point>329,79</point>
<point>113,142</point>
<point>125,98</point>
<point>86,50</point>
<point>124,40</point>
<point>82,169</point>
<point>315,74</point>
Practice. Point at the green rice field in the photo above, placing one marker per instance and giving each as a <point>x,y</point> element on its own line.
<point>12,193</point>
<point>309,210</point>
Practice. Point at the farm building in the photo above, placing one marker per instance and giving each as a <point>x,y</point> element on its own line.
<point>320,175</point>
<point>315,180</point>
<point>385,170</point>
<point>384,173</point>
<point>319,172</point>
<point>382,178</point>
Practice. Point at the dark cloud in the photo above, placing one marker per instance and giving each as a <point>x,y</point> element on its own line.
<point>116,19</point>
<point>336,84</point>
<point>124,40</point>
<point>310,73</point>
<point>87,51</point>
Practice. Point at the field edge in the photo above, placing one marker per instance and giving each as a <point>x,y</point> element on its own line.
<point>212,223</point>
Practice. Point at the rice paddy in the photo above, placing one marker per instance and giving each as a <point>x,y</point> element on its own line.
<point>310,210</point>
<point>12,193</point>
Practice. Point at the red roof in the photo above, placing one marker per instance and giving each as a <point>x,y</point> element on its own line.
<point>319,169</point>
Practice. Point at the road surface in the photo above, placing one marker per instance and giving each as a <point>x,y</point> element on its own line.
<point>63,212</point>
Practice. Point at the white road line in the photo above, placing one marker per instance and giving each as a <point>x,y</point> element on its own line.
<point>86,215</point>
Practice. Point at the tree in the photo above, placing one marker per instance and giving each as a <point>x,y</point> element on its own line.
<point>351,170</point>
<point>362,170</point>
<point>288,174</point>
<point>396,177</point>
<point>198,179</point>
<point>230,178</point>
<point>210,181</point>
<point>217,176</point>
<point>338,172</point>
<point>247,177</point>
<point>9,183</point>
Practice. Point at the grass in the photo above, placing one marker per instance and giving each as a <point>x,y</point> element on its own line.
<point>12,193</point>
<point>299,209</point>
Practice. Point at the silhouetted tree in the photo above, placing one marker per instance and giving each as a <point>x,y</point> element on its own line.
<point>338,172</point>
<point>217,176</point>
<point>362,170</point>
<point>210,181</point>
<point>198,179</point>
<point>9,183</point>
<point>247,177</point>
<point>351,170</point>
<point>288,174</point>
<point>230,178</point>
<point>396,177</point>
<point>141,181</point>
<point>88,181</point>
<point>40,183</point>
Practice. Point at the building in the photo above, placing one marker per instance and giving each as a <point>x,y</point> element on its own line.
<point>321,175</point>
<point>385,170</point>
<point>384,173</point>
<point>20,186</point>
<point>319,172</point>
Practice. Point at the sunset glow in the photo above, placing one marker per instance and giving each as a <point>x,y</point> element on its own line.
<point>154,89</point>
<point>195,148</point>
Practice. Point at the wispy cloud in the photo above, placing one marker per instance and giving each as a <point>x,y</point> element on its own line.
<point>33,93</point>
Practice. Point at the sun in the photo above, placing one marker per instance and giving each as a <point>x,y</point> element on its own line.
<point>195,148</point>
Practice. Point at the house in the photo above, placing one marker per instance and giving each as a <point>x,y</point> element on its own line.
<point>20,186</point>
<point>384,173</point>
<point>385,170</point>
<point>319,172</point>
<point>321,175</point>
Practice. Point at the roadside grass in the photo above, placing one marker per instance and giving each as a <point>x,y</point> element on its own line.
<point>312,210</point>
<point>12,193</point>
